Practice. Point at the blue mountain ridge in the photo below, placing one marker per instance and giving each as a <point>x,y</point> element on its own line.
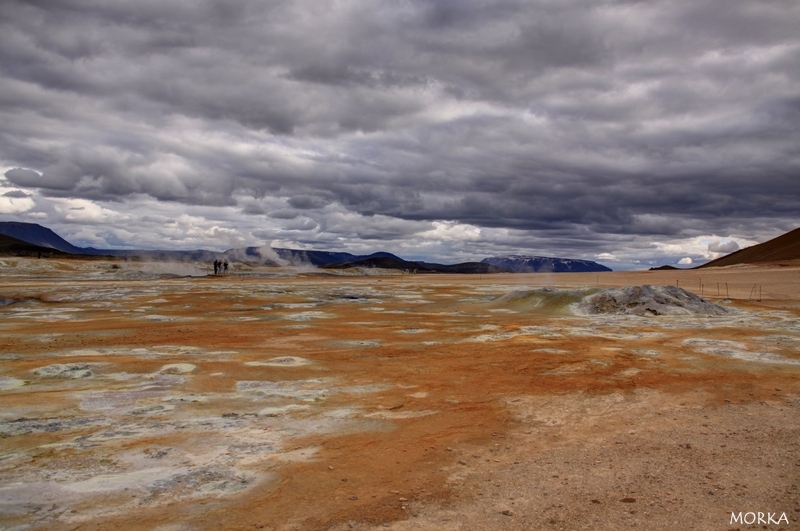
<point>544,264</point>
<point>36,234</point>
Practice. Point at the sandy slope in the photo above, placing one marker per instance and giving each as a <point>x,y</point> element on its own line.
<point>409,402</point>
<point>785,247</point>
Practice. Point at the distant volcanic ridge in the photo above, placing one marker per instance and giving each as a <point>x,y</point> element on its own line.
<point>43,237</point>
<point>543,264</point>
<point>14,247</point>
<point>35,234</point>
<point>389,262</point>
<point>325,258</point>
<point>342,260</point>
<point>783,248</point>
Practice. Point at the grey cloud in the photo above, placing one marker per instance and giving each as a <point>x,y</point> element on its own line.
<point>253,209</point>
<point>342,74</point>
<point>17,194</point>
<point>23,177</point>
<point>373,228</point>
<point>302,224</point>
<point>283,214</point>
<point>110,172</point>
<point>307,202</point>
<point>374,198</point>
<point>720,247</point>
<point>384,233</point>
<point>588,123</point>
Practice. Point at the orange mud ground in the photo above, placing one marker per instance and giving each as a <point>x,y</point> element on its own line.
<point>134,400</point>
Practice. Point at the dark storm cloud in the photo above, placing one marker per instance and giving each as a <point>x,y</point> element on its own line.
<point>283,214</point>
<point>307,202</point>
<point>23,177</point>
<point>341,74</point>
<point>580,123</point>
<point>253,209</point>
<point>17,194</point>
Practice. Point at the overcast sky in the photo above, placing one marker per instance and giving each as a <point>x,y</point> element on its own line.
<point>630,133</point>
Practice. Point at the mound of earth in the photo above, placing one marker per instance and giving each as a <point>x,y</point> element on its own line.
<point>541,300</point>
<point>649,300</point>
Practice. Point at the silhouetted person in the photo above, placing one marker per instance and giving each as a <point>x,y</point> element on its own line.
<point>225,267</point>
<point>216,266</point>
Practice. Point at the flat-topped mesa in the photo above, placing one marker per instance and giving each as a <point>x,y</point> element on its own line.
<point>649,300</point>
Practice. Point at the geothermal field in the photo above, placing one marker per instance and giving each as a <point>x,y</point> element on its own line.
<point>143,395</point>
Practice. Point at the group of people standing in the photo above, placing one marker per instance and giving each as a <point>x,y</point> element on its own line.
<point>220,267</point>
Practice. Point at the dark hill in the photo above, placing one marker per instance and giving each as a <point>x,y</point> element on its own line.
<point>392,262</point>
<point>13,247</point>
<point>35,234</point>
<point>784,247</point>
<point>383,262</point>
<point>324,258</point>
<point>465,267</point>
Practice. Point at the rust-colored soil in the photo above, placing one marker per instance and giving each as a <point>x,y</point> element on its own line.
<point>302,401</point>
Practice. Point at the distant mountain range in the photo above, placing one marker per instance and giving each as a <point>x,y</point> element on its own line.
<point>543,264</point>
<point>43,238</point>
<point>418,267</point>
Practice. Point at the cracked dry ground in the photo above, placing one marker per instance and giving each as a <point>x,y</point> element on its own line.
<point>415,402</point>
